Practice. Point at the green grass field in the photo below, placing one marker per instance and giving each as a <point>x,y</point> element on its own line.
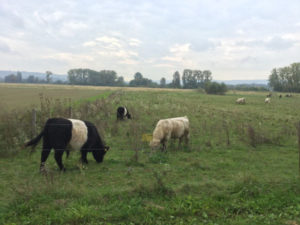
<point>241,166</point>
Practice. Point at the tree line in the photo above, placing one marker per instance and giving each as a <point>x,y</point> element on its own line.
<point>286,79</point>
<point>190,79</point>
<point>17,78</point>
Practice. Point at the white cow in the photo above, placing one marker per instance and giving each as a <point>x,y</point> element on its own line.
<point>241,101</point>
<point>170,128</point>
<point>267,100</point>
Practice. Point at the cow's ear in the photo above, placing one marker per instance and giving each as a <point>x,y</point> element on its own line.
<point>106,148</point>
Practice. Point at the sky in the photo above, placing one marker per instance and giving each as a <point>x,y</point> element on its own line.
<point>234,39</point>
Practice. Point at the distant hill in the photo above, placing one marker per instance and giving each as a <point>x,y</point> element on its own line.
<point>26,74</point>
<point>249,82</point>
<point>235,82</point>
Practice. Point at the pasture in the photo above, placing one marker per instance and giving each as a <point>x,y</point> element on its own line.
<point>241,166</point>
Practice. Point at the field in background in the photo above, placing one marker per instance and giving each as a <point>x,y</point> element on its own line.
<point>241,166</point>
<point>18,96</point>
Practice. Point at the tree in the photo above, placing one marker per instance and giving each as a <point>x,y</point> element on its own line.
<point>78,76</point>
<point>199,77</point>
<point>139,80</point>
<point>176,80</point>
<point>195,78</point>
<point>215,88</point>
<point>163,82</point>
<point>120,82</point>
<point>286,78</point>
<point>108,77</point>
<point>30,79</point>
<point>19,77</point>
<point>92,77</point>
<point>274,81</point>
<point>189,79</point>
<point>11,78</point>
<point>48,76</point>
<point>138,76</point>
<point>207,75</point>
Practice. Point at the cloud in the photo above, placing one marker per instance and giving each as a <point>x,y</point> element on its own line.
<point>271,43</point>
<point>115,48</point>
<point>163,65</point>
<point>4,48</point>
<point>172,58</point>
<point>109,42</point>
<point>68,57</point>
<point>177,52</point>
<point>90,44</point>
<point>278,43</point>
<point>134,42</point>
<point>180,48</point>
<point>201,45</point>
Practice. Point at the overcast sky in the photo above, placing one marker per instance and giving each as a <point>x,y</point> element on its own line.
<point>234,39</point>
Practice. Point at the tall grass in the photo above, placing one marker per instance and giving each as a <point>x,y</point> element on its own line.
<point>16,126</point>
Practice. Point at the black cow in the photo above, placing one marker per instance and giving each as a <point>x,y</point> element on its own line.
<point>123,112</point>
<point>58,133</point>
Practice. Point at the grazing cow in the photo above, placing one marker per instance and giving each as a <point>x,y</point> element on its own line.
<point>280,96</point>
<point>288,95</point>
<point>269,95</point>
<point>58,133</point>
<point>267,100</point>
<point>123,112</point>
<point>241,101</point>
<point>170,128</point>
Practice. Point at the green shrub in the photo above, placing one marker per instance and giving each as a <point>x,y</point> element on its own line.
<point>215,88</point>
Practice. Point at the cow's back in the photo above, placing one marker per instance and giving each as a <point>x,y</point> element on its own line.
<point>180,127</point>
<point>58,131</point>
<point>79,134</point>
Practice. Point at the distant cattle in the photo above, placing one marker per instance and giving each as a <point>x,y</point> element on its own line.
<point>122,112</point>
<point>58,133</point>
<point>269,95</point>
<point>267,100</point>
<point>280,96</point>
<point>176,128</point>
<point>288,95</point>
<point>241,101</point>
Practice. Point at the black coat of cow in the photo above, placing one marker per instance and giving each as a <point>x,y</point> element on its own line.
<point>123,112</point>
<point>58,133</point>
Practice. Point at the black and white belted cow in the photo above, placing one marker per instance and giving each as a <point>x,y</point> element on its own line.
<point>60,133</point>
<point>123,112</point>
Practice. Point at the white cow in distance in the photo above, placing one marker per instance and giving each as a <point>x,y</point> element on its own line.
<point>241,101</point>
<point>267,100</point>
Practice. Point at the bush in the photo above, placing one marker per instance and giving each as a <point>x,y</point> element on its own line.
<point>215,88</point>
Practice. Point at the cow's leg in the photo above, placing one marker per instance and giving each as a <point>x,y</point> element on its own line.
<point>164,145</point>
<point>83,156</point>
<point>179,142</point>
<point>58,158</point>
<point>186,138</point>
<point>45,153</point>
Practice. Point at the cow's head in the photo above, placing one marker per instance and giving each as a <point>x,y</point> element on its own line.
<point>99,153</point>
<point>154,143</point>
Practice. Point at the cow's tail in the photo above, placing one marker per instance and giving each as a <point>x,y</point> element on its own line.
<point>34,141</point>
